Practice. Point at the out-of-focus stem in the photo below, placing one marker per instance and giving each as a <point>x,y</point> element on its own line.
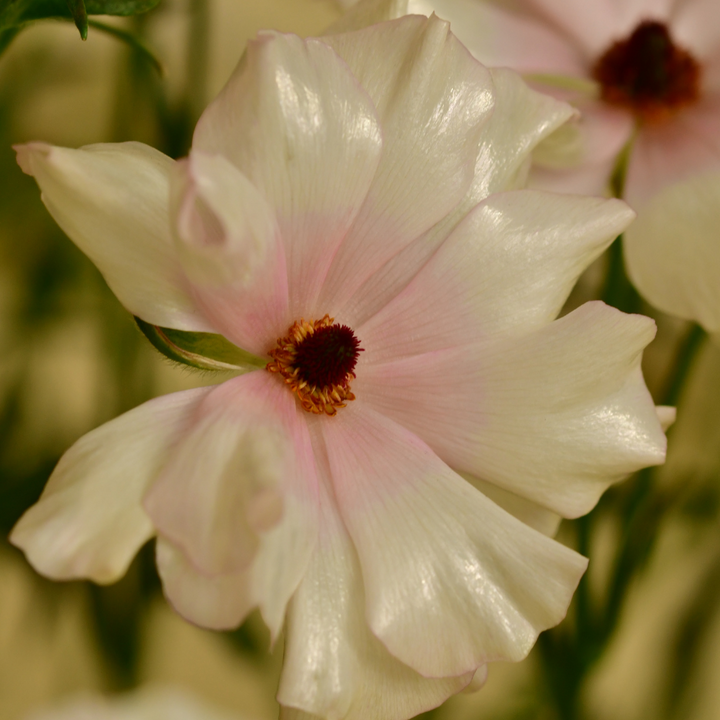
<point>198,45</point>
<point>683,361</point>
<point>644,511</point>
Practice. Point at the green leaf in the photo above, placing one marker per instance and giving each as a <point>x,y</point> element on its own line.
<point>7,35</point>
<point>79,13</point>
<point>203,351</point>
<point>119,7</point>
<point>14,13</point>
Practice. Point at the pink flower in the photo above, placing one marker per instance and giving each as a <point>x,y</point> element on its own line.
<point>645,75</point>
<point>349,216</point>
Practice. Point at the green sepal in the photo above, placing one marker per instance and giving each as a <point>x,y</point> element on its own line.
<point>80,16</point>
<point>119,7</point>
<point>203,351</point>
<point>15,13</point>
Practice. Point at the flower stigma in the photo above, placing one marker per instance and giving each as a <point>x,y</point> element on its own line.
<point>648,73</point>
<point>317,360</point>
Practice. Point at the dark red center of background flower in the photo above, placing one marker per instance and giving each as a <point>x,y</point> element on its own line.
<point>648,73</point>
<point>328,356</point>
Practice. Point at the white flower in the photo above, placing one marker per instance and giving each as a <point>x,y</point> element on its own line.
<point>349,215</point>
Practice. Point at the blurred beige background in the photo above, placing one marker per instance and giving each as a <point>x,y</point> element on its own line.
<point>55,340</point>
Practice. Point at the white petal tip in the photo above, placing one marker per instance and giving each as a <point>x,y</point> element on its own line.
<point>625,213</point>
<point>61,568</point>
<point>666,416</point>
<point>25,153</point>
<point>478,680</point>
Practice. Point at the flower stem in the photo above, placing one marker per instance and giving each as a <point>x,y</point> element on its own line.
<point>618,291</point>
<point>683,361</point>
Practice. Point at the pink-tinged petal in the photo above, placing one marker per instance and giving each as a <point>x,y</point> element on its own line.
<point>362,14</point>
<point>112,201</point>
<point>237,473</point>
<point>218,603</point>
<point>296,122</point>
<point>507,268</point>
<point>498,37</point>
<point>89,521</point>
<point>223,601</point>
<point>711,75</point>
<point>333,665</point>
<point>282,545</point>
<point>230,247</point>
<point>521,119</point>
<point>554,416</point>
<point>670,152</point>
<point>694,25</point>
<point>451,580</point>
<point>430,140</point>
<point>530,513</point>
<point>672,251</point>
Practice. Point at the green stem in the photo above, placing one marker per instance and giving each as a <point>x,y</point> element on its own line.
<point>584,624</point>
<point>619,291</point>
<point>683,361</point>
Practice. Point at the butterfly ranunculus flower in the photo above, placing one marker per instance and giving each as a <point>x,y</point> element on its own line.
<point>416,419</point>
<point>646,78</point>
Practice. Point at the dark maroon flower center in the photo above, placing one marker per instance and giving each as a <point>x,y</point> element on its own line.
<point>328,356</point>
<point>648,73</point>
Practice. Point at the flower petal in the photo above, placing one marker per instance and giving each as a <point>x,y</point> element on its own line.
<point>112,201</point>
<point>237,473</point>
<point>241,517</point>
<point>672,250</point>
<point>437,555</point>
<point>430,139</point>
<point>555,416</point>
<point>668,153</point>
<point>89,521</point>
<point>507,268</point>
<point>230,247</point>
<point>666,415</point>
<point>333,665</point>
<point>296,123</point>
<point>223,601</point>
<point>218,603</point>
<point>693,25</point>
<point>521,119</point>
<point>527,511</point>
